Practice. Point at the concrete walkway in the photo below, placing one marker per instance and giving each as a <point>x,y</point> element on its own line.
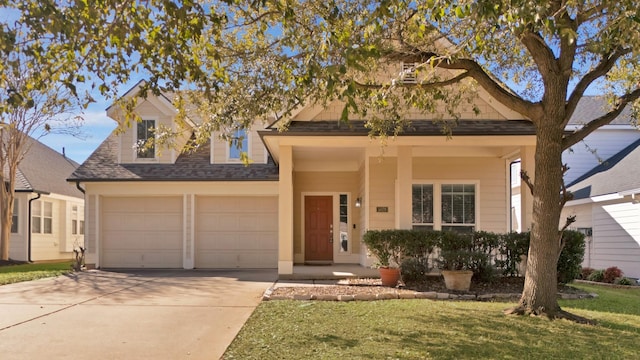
<point>133,315</point>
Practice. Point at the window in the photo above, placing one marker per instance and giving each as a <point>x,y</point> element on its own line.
<point>344,223</point>
<point>515,174</point>
<point>145,145</point>
<point>458,207</point>
<point>239,144</point>
<point>422,206</point>
<point>42,217</point>
<point>409,73</point>
<point>77,224</point>
<point>457,204</point>
<point>14,219</point>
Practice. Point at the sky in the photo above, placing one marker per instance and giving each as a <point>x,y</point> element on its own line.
<point>96,127</point>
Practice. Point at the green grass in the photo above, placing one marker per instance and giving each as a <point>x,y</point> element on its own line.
<point>27,272</point>
<point>425,329</point>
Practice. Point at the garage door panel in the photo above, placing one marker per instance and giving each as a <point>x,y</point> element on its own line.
<point>142,232</point>
<point>236,232</point>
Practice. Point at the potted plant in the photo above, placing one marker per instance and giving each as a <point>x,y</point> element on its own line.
<point>456,260</point>
<point>385,245</point>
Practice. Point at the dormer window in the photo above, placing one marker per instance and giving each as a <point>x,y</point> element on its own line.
<point>409,75</point>
<point>145,145</point>
<point>239,144</point>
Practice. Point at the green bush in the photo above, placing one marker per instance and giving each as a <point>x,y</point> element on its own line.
<point>586,272</point>
<point>417,248</point>
<point>624,281</point>
<point>385,245</point>
<point>570,261</point>
<point>596,275</point>
<point>511,247</point>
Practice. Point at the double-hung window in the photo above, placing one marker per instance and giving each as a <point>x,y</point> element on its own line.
<point>145,144</point>
<point>14,219</point>
<point>42,217</point>
<point>450,207</point>
<point>239,143</point>
<point>77,224</point>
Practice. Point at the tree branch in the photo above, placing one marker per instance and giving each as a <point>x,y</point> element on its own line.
<point>423,85</point>
<point>580,134</point>
<point>540,53</point>
<point>527,180</point>
<point>608,61</point>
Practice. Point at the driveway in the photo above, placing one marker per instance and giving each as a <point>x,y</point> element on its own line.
<point>149,314</point>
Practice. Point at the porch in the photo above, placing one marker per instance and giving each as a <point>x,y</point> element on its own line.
<point>329,272</point>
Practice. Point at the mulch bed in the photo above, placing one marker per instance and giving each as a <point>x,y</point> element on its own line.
<point>503,285</point>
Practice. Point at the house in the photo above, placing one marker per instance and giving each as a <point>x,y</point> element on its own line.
<point>606,205</point>
<point>48,212</point>
<point>307,198</point>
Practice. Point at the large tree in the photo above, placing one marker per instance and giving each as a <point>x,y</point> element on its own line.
<point>248,60</point>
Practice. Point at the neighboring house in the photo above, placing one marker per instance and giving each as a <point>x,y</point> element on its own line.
<point>48,218</point>
<point>607,208</point>
<point>307,198</point>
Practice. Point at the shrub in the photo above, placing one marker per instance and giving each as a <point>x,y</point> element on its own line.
<point>570,261</point>
<point>585,272</point>
<point>611,274</point>
<point>596,275</point>
<point>417,247</point>
<point>384,244</point>
<point>624,281</point>
<point>511,247</point>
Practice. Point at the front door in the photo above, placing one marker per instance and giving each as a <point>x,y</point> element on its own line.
<point>318,228</point>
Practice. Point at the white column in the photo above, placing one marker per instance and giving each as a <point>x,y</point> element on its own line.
<point>285,212</point>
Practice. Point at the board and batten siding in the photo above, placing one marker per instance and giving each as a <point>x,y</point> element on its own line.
<point>616,237</point>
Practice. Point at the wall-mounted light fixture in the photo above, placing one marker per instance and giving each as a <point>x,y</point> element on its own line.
<point>358,202</point>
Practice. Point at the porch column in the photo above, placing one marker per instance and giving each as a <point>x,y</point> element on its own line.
<point>285,211</point>
<point>527,163</point>
<point>404,181</point>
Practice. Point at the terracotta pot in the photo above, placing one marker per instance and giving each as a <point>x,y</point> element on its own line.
<point>389,276</point>
<point>457,279</point>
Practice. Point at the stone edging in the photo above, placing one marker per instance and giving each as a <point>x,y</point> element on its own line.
<point>432,295</point>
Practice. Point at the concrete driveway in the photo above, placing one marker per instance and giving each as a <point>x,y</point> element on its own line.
<point>128,315</point>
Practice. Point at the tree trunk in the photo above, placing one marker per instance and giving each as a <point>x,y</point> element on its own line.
<point>5,232</point>
<point>539,295</point>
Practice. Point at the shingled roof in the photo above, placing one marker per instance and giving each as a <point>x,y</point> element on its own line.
<point>417,128</point>
<point>617,174</point>
<point>592,107</point>
<point>103,165</point>
<point>45,170</point>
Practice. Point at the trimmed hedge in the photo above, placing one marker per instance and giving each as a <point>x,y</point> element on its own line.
<point>485,253</point>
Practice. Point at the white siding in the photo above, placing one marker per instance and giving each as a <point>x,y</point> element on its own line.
<point>616,237</point>
<point>605,142</point>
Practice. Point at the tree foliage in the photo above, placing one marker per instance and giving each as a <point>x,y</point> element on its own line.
<point>237,61</point>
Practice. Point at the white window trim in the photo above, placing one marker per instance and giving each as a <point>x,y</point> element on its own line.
<point>42,217</point>
<point>437,200</point>
<point>16,214</point>
<point>247,150</point>
<point>135,140</point>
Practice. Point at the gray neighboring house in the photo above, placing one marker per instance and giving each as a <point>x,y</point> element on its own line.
<point>48,220</point>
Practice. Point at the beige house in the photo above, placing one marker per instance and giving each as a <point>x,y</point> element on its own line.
<point>48,213</point>
<point>309,195</point>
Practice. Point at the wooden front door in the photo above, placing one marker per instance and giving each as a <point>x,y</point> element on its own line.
<point>318,228</point>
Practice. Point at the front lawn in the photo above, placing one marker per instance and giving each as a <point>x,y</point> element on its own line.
<point>426,329</point>
<point>26,272</point>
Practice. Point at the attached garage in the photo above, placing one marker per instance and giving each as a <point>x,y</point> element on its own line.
<point>236,232</point>
<point>141,232</point>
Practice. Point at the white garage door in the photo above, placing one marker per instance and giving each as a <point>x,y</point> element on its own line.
<point>141,232</point>
<point>236,232</point>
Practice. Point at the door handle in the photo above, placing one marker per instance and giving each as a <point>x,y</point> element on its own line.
<point>331,236</point>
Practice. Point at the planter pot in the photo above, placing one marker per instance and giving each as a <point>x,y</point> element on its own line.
<point>457,279</point>
<point>389,276</point>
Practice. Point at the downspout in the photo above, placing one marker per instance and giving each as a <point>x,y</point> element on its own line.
<point>79,188</point>
<point>29,227</point>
